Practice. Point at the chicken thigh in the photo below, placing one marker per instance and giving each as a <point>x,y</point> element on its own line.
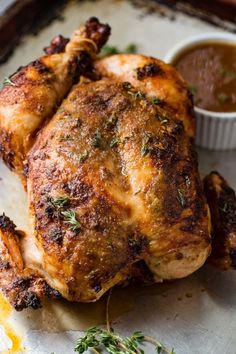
<point>112,178</point>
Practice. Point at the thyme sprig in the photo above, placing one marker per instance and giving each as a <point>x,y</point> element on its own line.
<point>114,343</point>
<point>82,157</point>
<point>70,217</point>
<point>99,339</point>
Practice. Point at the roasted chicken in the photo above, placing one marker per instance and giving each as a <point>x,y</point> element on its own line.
<point>111,172</point>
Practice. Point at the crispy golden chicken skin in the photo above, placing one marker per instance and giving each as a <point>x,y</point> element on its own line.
<point>222,202</point>
<point>112,177</point>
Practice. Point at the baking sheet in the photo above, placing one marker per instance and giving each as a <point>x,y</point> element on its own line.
<point>194,315</point>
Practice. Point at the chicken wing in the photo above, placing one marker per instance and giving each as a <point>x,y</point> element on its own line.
<point>23,287</point>
<point>222,202</point>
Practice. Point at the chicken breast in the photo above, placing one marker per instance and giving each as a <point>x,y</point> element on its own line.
<point>113,179</point>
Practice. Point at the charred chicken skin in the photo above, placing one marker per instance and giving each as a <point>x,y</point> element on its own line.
<point>106,149</point>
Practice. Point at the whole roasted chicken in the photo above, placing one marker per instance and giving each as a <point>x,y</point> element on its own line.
<point>105,149</point>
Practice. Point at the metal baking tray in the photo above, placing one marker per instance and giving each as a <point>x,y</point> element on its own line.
<point>194,315</point>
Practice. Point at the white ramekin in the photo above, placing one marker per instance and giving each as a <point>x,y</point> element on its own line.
<point>216,131</point>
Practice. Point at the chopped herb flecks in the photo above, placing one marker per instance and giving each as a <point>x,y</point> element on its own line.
<point>66,137</point>
<point>70,217</point>
<point>58,202</point>
<point>137,94</point>
<point>111,122</point>
<point>187,181</point>
<point>162,118</point>
<point>114,142</point>
<point>156,101</point>
<point>82,157</point>
<point>7,82</point>
<point>225,207</point>
<point>144,150</point>
<point>97,140</point>
<point>181,197</point>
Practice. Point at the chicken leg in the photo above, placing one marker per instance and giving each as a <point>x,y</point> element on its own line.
<point>33,93</point>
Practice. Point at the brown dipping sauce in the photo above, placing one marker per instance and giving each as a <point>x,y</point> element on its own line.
<point>210,70</point>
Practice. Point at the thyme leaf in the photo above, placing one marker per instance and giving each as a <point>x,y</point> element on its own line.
<point>59,202</point>
<point>114,142</point>
<point>70,217</point>
<point>156,101</point>
<point>97,139</point>
<point>136,94</point>
<point>162,118</point>
<point>187,181</point>
<point>82,157</point>
<point>66,137</point>
<point>144,150</point>
<point>8,82</point>
<point>181,197</point>
<point>225,207</point>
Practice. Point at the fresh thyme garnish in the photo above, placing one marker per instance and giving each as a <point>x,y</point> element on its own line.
<point>66,137</point>
<point>139,94</point>
<point>114,142</point>
<point>70,217</point>
<point>225,207</point>
<point>136,94</point>
<point>97,139</point>
<point>111,122</point>
<point>7,82</point>
<point>98,339</point>
<point>156,101</point>
<point>144,150</point>
<point>111,49</point>
<point>162,118</point>
<point>82,157</point>
<point>181,197</point>
<point>59,202</point>
<point>223,98</point>
<point>187,181</point>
